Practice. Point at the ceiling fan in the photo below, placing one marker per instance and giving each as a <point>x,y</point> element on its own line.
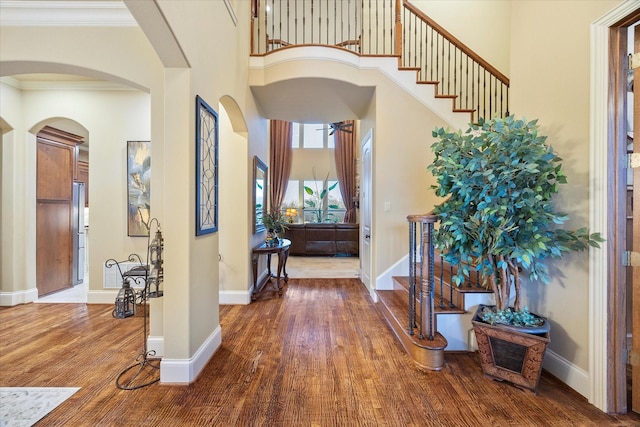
<point>339,126</point>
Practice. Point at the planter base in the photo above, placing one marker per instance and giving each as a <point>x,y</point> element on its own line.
<point>509,355</point>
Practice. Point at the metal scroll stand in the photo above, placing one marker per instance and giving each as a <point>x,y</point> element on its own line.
<point>143,372</point>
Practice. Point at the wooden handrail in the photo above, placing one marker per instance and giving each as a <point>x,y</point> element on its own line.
<point>457,43</point>
<point>423,218</point>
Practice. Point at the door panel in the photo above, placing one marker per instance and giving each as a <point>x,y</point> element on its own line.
<point>365,213</point>
<point>54,247</point>
<point>55,171</point>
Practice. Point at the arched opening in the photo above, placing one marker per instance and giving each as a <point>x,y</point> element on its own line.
<point>106,111</point>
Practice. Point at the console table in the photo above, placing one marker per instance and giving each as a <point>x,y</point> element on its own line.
<point>282,249</point>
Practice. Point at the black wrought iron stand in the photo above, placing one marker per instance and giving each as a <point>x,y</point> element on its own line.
<point>146,370</point>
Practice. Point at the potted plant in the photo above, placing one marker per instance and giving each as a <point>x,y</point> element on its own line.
<point>276,224</point>
<point>318,203</point>
<point>499,178</point>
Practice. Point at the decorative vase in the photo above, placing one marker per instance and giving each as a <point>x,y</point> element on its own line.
<point>511,353</point>
<point>271,239</point>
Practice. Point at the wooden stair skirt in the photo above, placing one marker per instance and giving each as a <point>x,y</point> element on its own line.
<point>394,306</point>
<point>427,354</point>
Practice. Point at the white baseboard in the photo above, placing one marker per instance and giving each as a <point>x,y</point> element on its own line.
<point>9,299</point>
<point>185,371</point>
<point>234,297</point>
<point>570,374</point>
<point>156,344</point>
<point>385,280</point>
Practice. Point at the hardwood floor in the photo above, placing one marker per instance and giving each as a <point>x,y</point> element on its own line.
<point>320,355</point>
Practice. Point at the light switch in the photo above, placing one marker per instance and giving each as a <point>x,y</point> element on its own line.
<point>387,206</point>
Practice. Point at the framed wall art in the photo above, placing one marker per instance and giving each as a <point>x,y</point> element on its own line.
<point>206,168</point>
<point>138,188</point>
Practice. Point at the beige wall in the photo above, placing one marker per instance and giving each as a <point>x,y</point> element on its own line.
<point>550,82</point>
<point>482,25</point>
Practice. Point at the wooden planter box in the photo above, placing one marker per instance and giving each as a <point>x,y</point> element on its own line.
<point>509,355</point>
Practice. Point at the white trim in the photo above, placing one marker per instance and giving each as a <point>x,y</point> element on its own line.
<point>66,86</point>
<point>232,12</point>
<point>567,372</point>
<point>599,353</point>
<point>400,268</point>
<point>156,344</point>
<point>66,13</point>
<point>185,371</point>
<point>234,297</point>
<point>9,299</point>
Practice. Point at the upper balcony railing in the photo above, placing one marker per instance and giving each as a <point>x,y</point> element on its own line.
<point>385,28</point>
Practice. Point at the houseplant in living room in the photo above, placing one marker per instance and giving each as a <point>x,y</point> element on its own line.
<point>498,219</point>
<point>276,224</point>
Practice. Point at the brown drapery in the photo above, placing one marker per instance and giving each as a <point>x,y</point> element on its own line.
<point>345,154</point>
<point>279,162</point>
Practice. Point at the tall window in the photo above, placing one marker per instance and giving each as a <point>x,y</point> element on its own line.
<point>313,200</point>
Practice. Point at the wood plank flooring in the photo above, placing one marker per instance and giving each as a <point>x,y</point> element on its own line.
<point>320,355</point>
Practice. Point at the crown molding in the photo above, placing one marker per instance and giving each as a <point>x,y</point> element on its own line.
<point>18,13</point>
<point>93,85</point>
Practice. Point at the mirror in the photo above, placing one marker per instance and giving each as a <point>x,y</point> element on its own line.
<point>259,194</point>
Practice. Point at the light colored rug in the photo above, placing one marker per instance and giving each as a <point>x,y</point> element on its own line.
<point>24,406</point>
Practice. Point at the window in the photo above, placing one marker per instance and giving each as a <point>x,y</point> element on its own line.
<point>311,135</point>
<point>295,135</point>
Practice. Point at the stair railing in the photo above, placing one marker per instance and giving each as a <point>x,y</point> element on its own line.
<point>474,85</point>
<point>386,28</point>
<point>422,314</point>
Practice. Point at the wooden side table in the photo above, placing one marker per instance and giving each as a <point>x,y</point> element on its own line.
<point>282,249</point>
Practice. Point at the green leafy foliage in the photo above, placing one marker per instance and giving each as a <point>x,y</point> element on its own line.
<point>275,221</point>
<point>319,201</point>
<point>499,178</point>
<point>510,316</point>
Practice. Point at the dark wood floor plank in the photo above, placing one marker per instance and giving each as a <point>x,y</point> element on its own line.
<point>320,355</point>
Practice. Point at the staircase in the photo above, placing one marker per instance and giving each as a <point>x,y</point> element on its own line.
<point>417,302</point>
<point>387,28</point>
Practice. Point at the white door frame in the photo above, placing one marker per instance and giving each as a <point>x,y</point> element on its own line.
<point>600,210</point>
<point>366,190</point>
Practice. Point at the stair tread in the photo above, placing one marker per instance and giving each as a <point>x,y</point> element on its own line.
<point>399,298</point>
<point>404,282</point>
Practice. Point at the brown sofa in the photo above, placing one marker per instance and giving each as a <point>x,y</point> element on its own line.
<point>324,239</point>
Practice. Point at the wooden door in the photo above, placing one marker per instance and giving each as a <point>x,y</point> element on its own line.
<point>635,244</point>
<point>55,172</point>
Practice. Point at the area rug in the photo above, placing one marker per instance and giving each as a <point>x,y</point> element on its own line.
<point>24,406</point>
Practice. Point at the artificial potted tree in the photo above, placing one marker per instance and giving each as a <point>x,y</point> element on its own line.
<point>499,178</point>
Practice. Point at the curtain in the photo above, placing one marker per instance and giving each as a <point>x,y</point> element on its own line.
<point>345,154</point>
<point>279,162</point>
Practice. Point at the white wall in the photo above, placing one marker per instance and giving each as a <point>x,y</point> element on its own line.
<point>482,25</point>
